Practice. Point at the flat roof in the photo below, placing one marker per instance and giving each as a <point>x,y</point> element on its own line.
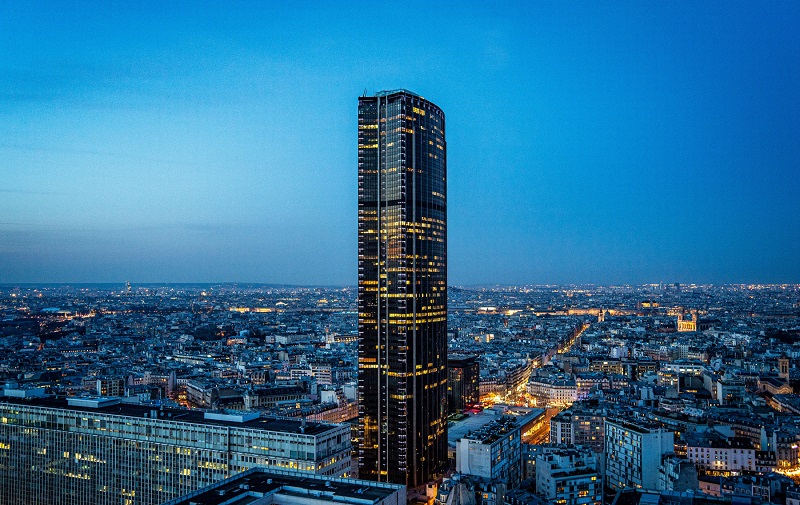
<point>256,483</point>
<point>475,422</point>
<point>638,425</point>
<point>194,416</point>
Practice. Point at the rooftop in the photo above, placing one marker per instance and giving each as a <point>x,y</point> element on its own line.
<point>195,416</point>
<point>253,485</point>
<point>395,92</point>
<point>475,422</point>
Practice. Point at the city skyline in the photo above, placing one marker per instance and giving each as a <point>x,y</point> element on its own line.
<point>589,144</point>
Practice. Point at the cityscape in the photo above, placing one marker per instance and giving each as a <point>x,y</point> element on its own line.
<point>221,286</point>
<point>704,375</point>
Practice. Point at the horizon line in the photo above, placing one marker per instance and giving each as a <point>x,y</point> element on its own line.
<point>340,286</point>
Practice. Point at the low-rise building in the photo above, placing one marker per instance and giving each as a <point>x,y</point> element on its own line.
<point>677,474</point>
<point>493,452</point>
<point>578,426</point>
<point>568,475</point>
<point>729,455</point>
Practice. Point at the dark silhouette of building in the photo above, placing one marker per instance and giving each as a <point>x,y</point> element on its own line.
<point>463,380</point>
<point>402,288</point>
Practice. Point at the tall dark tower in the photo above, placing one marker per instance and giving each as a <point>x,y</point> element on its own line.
<point>402,288</point>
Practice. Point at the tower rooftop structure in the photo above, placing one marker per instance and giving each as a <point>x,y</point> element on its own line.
<point>395,92</point>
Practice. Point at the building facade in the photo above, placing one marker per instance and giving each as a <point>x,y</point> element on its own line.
<point>463,378</point>
<point>402,288</point>
<point>104,452</point>
<point>633,453</point>
<point>553,391</point>
<point>579,427</point>
<point>492,452</point>
<point>569,475</point>
<point>724,456</point>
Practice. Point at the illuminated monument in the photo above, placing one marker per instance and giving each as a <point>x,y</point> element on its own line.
<point>402,288</point>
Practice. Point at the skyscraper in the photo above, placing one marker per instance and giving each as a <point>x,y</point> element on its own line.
<point>402,288</point>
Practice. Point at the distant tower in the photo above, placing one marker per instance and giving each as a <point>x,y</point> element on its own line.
<point>128,286</point>
<point>783,368</point>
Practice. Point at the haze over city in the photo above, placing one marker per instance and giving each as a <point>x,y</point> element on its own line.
<point>587,142</point>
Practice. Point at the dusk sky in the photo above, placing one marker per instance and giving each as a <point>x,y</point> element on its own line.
<point>597,142</point>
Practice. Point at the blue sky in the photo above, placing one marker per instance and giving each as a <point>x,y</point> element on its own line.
<point>597,142</point>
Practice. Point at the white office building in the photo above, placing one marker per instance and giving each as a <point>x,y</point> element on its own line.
<point>100,451</point>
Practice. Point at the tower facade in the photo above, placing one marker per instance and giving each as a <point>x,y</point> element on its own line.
<point>402,288</point>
